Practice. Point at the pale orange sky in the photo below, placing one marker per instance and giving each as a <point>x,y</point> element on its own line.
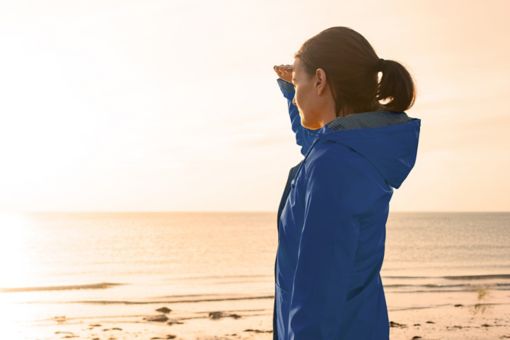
<point>174,105</point>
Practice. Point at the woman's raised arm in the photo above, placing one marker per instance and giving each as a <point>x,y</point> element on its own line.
<point>304,136</point>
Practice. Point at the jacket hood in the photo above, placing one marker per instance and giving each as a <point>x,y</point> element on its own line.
<point>391,146</point>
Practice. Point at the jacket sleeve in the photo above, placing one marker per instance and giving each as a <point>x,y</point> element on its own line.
<point>304,136</point>
<point>327,246</point>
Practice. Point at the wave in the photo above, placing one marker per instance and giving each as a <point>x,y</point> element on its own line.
<point>206,277</point>
<point>468,289</point>
<point>170,300</point>
<point>471,283</point>
<point>478,277</point>
<point>476,305</point>
<point>101,285</point>
<point>454,277</point>
<point>431,285</point>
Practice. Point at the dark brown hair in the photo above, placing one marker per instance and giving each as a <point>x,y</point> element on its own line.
<point>351,66</point>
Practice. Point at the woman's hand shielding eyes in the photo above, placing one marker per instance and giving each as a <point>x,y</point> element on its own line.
<point>284,72</point>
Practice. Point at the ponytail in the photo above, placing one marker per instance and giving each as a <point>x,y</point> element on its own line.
<point>397,85</point>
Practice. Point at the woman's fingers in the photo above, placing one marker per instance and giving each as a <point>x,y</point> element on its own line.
<point>284,71</point>
<point>284,67</point>
<point>279,70</point>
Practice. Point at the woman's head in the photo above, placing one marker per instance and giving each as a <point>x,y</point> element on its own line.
<point>336,73</point>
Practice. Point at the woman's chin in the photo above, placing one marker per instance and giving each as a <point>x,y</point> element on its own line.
<point>309,125</point>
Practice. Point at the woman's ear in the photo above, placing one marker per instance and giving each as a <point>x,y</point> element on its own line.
<point>320,81</point>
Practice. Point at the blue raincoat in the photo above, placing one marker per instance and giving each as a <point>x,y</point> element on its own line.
<point>332,224</point>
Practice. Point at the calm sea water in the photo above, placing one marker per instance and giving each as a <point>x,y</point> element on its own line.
<point>72,257</point>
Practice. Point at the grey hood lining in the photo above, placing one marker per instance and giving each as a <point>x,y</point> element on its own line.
<point>368,120</point>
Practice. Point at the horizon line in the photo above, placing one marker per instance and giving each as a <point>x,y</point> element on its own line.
<point>221,211</point>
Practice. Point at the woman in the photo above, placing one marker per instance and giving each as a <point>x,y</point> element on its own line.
<point>333,213</point>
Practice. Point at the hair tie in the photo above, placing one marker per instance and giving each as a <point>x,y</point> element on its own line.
<point>380,64</point>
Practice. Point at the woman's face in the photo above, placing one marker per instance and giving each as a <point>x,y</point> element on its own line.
<point>312,97</point>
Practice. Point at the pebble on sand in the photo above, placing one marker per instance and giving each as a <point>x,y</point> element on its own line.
<point>396,324</point>
<point>219,314</point>
<point>165,310</point>
<point>258,330</point>
<point>174,322</point>
<point>156,318</point>
<point>60,318</point>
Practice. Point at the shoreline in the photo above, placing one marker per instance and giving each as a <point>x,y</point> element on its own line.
<point>453,316</point>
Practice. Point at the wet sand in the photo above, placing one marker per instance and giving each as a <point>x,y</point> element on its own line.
<point>456,315</point>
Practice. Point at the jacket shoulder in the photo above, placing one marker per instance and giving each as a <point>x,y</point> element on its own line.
<point>338,157</point>
<point>340,168</point>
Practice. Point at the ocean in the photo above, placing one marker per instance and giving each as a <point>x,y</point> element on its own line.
<point>85,264</point>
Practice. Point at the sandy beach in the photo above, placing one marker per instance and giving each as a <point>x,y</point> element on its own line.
<point>481,314</point>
